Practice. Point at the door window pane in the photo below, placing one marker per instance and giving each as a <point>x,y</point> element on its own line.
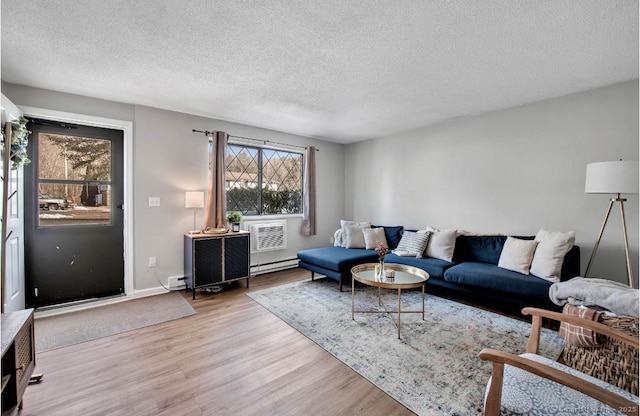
<point>74,175</point>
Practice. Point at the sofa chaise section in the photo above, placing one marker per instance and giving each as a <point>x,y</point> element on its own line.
<point>334,262</point>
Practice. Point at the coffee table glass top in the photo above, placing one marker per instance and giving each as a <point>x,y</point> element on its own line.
<point>405,276</point>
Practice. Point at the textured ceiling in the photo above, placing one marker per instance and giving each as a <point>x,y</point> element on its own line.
<point>333,69</point>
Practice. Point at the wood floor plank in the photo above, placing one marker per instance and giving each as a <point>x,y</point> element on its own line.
<point>232,358</point>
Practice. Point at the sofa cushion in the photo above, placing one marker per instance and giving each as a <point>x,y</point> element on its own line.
<point>413,244</point>
<point>337,258</point>
<point>571,264</point>
<point>337,238</point>
<point>355,237</point>
<point>481,249</point>
<point>392,233</point>
<point>326,272</point>
<point>490,276</point>
<point>373,236</point>
<point>342,235</point>
<point>517,255</point>
<point>435,267</point>
<point>441,244</point>
<point>525,393</point>
<point>549,255</point>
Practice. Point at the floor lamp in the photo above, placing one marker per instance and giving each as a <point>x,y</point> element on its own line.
<point>195,200</point>
<point>617,177</point>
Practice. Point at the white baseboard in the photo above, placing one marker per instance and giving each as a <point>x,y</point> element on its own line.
<point>108,301</point>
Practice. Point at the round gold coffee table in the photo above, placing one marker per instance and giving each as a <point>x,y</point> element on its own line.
<point>406,277</point>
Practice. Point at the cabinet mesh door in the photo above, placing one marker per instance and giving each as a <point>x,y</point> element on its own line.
<point>208,267</point>
<point>235,257</point>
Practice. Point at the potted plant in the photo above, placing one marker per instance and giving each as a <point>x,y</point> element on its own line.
<point>19,142</point>
<point>234,217</point>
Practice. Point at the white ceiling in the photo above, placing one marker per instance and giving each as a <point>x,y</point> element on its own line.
<point>338,70</point>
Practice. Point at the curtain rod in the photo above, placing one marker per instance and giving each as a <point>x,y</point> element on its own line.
<point>208,133</point>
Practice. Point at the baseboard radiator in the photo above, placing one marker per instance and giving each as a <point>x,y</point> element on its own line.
<point>273,266</point>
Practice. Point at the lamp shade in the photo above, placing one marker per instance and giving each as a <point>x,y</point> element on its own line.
<point>194,199</point>
<point>617,177</point>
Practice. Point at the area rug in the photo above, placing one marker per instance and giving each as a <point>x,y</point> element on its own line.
<point>433,369</point>
<point>102,321</point>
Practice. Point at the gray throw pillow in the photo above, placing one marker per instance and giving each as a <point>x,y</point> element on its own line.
<point>355,237</point>
<point>412,243</point>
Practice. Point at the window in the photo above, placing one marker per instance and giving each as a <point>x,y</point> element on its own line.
<point>74,180</point>
<point>262,181</point>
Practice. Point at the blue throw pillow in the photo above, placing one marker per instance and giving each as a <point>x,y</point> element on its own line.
<point>482,249</point>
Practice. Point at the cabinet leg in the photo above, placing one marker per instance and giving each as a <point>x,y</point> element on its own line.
<point>247,283</point>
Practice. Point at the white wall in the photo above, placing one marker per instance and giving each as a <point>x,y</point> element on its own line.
<point>511,171</point>
<point>169,159</point>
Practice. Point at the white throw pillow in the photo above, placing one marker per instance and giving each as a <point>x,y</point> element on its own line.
<point>372,236</point>
<point>346,223</point>
<point>355,238</point>
<point>412,243</point>
<point>337,238</point>
<point>549,255</point>
<point>517,255</point>
<point>441,244</point>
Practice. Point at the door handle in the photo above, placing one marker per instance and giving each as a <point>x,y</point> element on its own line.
<point>120,206</point>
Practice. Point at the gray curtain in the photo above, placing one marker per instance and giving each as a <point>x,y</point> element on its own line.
<point>217,197</point>
<point>309,196</point>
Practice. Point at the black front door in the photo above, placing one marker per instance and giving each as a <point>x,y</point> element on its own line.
<point>74,232</point>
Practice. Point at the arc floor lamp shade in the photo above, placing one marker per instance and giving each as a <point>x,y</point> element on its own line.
<point>617,177</point>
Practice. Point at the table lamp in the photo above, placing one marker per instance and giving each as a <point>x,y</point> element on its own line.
<point>616,177</point>
<point>195,200</point>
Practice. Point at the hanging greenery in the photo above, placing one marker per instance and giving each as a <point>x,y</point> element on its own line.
<point>19,142</point>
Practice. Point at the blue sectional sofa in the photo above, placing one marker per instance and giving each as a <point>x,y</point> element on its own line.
<point>474,271</point>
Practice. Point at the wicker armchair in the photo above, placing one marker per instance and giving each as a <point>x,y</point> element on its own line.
<point>530,383</point>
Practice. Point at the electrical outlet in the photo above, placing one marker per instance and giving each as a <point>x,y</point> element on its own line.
<point>154,201</point>
<point>152,262</point>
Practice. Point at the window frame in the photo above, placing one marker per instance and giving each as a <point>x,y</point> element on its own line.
<point>260,153</point>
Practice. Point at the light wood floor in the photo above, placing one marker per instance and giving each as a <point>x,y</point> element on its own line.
<point>232,358</point>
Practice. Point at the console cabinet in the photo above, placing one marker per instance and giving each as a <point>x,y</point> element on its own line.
<point>214,259</point>
<point>18,357</point>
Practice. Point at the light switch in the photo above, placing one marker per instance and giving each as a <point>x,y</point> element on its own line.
<point>154,201</point>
